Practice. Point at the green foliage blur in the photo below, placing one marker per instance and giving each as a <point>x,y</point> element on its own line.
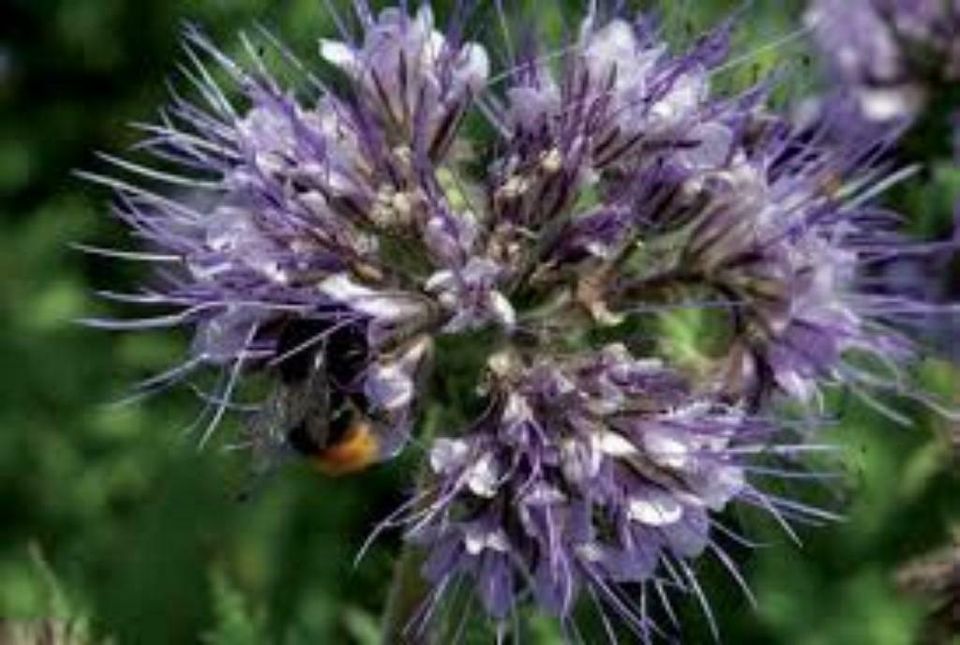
<point>115,524</point>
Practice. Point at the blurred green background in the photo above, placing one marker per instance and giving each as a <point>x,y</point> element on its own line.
<point>115,523</point>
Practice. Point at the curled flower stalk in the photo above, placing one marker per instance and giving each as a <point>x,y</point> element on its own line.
<point>333,238</point>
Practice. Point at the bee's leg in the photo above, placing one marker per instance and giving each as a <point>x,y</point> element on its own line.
<point>342,415</point>
<point>301,439</point>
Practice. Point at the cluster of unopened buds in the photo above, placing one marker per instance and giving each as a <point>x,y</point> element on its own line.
<point>654,273</point>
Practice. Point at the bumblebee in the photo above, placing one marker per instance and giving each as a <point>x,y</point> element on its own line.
<point>319,406</point>
<point>350,450</point>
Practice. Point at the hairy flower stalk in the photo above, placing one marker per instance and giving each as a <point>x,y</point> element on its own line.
<point>330,238</point>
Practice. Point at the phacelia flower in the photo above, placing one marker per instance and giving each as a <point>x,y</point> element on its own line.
<point>890,53</point>
<point>324,240</point>
<point>584,474</point>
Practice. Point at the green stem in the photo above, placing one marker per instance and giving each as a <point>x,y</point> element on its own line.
<point>408,592</point>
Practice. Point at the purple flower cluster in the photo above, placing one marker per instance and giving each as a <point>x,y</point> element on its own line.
<point>890,53</point>
<point>615,190</point>
<point>584,473</point>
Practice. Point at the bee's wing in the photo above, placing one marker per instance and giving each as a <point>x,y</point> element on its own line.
<point>266,437</point>
<point>313,403</point>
